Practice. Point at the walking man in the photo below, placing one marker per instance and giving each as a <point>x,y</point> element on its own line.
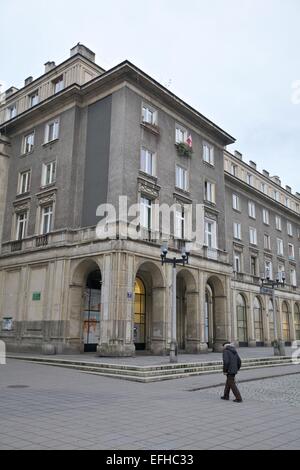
<point>231,365</point>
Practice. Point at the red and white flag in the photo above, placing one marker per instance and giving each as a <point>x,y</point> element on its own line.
<point>189,141</point>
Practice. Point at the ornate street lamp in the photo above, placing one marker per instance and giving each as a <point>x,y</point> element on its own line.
<point>174,261</point>
<point>266,283</point>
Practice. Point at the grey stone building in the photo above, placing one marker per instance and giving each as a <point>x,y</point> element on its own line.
<point>78,137</point>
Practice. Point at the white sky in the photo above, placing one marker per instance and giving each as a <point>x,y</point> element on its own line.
<point>233,60</point>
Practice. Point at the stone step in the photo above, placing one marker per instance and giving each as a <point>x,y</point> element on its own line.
<point>153,373</point>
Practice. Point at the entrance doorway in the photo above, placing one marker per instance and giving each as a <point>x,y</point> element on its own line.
<point>91,314</point>
<point>139,331</point>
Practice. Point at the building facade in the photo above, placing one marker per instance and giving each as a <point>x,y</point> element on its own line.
<point>79,137</point>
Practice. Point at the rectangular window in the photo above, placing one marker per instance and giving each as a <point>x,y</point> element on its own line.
<point>253,236</point>
<point>268,270</point>
<point>291,251</point>
<point>181,178</point>
<point>266,216</point>
<point>208,153</point>
<point>253,265</point>
<point>147,161</point>
<point>179,222</point>
<point>52,130</point>
<point>288,202</point>
<point>267,242</point>
<point>11,111</point>
<point>278,222</point>
<point>235,202</point>
<point>21,228</point>
<point>251,209</point>
<point>281,272</point>
<point>237,262</point>
<point>28,143</point>
<point>181,134</point>
<point>49,173</point>
<point>149,115</point>
<point>279,247</point>
<point>58,84</point>
<point>33,99</point>
<point>293,277</point>
<point>250,179</point>
<point>263,187</point>
<point>290,229</point>
<point>146,213</point>
<point>46,220</point>
<point>234,169</point>
<point>210,235</point>
<point>276,196</point>
<point>24,182</point>
<point>210,192</point>
<point>237,231</point>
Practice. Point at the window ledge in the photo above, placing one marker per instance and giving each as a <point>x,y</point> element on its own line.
<point>45,187</point>
<point>23,195</point>
<point>145,175</point>
<point>48,144</point>
<point>26,154</point>
<point>210,165</point>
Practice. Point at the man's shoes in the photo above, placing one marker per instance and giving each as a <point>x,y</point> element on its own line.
<point>238,401</point>
<point>224,398</point>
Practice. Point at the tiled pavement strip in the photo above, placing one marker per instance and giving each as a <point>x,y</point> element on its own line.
<point>68,409</point>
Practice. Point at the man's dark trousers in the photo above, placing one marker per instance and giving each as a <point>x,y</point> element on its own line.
<point>231,385</point>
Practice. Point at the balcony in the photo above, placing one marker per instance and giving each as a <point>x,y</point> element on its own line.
<point>215,254</point>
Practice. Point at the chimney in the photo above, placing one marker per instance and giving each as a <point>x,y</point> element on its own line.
<point>276,180</point>
<point>266,173</point>
<point>289,189</point>
<point>49,66</point>
<point>238,155</point>
<point>28,80</point>
<point>297,195</point>
<point>11,91</point>
<point>252,164</point>
<point>83,50</point>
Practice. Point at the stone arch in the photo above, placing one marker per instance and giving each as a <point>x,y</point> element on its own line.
<point>80,272</point>
<point>153,278</point>
<point>220,314</point>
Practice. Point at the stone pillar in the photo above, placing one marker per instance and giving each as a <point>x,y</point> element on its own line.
<point>292,322</point>
<point>116,331</point>
<point>250,319</point>
<point>158,344</point>
<point>265,320</point>
<point>278,312</point>
<point>193,339</point>
<point>221,317</point>
<point>203,347</point>
<point>235,338</point>
<point>4,164</point>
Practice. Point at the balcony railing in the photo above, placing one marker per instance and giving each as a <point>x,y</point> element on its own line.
<point>16,245</point>
<point>41,240</point>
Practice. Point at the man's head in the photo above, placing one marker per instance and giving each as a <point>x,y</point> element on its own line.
<point>227,343</point>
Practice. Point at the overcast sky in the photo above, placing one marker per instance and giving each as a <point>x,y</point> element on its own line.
<point>233,60</point>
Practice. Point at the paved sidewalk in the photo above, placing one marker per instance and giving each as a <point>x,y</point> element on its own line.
<point>54,408</point>
<point>142,359</point>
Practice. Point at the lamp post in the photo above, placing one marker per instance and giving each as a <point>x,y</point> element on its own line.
<point>174,261</point>
<point>278,344</point>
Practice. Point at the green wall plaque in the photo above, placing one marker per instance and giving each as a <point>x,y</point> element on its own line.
<point>36,296</point>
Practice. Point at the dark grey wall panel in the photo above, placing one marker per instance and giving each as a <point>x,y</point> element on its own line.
<point>97,159</point>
